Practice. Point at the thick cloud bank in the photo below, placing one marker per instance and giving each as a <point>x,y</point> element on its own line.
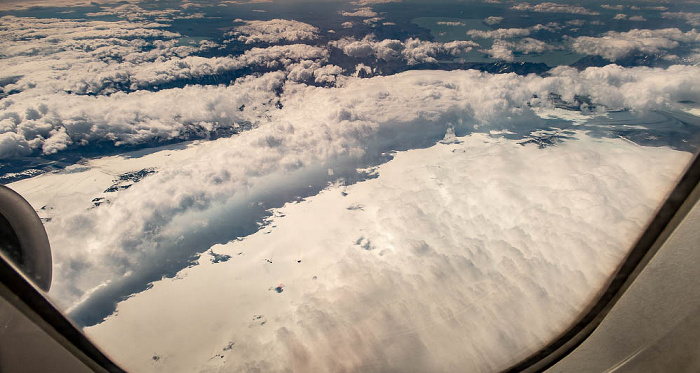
<point>351,126</point>
<point>460,257</point>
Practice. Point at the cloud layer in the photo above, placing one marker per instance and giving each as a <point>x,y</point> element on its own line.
<point>614,45</point>
<point>363,223</point>
<point>274,31</point>
<point>548,7</point>
<point>411,270</point>
<point>413,51</point>
<point>352,126</point>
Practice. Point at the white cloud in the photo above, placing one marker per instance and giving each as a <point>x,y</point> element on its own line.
<point>614,45</point>
<point>692,19</point>
<point>373,2</point>
<point>14,5</point>
<point>345,124</point>
<point>51,62</point>
<point>427,264</point>
<point>133,12</point>
<point>308,71</point>
<point>493,20</point>
<point>372,21</point>
<point>500,33</point>
<point>548,7</point>
<point>12,144</point>
<point>509,33</point>
<point>361,12</point>
<point>503,50</point>
<point>107,118</point>
<point>347,24</point>
<point>622,16</point>
<point>413,51</point>
<point>327,74</point>
<point>613,7</point>
<point>530,45</point>
<point>140,116</point>
<point>195,67</point>
<point>274,31</point>
<point>363,71</point>
<point>74,55</point>
<point>450,23</point>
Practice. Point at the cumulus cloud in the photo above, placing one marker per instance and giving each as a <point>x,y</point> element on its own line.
<point>60,111</point>
<point>274,31</point>
<point>75,55</point>
<point>372,21</point>
<point>614,45</point>
<point>450,23</point>
<point>50,64</point>
<point>308,71</point>
<point>613,7</point>
<point>659,8</point>
<point>503,50</point>
<point>530,45</point>
<point>139,117</point>
<point>192,67</point>
<point>363,71</point>
<point>51,35</point>
<point>548,7</point>
<point>372,2</point>
<point>500,33</point>
<point>361,12</point>
<point>509,33</point>
<point>692,19</point>
<point>133,12</point>
<point>13,144</point>
<point>14,5</point>
<point>413,51</point>
<point>622,16</point>
<point>493,20</point>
